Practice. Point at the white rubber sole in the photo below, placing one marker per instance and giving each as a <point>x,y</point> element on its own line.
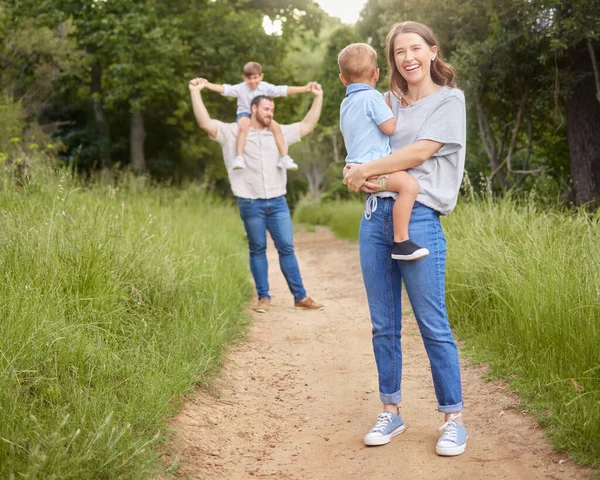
<point>451,451</point>
<point>420,253</point>
<point>288,167</point>
<point>383,439</point>
<point>238,164</point>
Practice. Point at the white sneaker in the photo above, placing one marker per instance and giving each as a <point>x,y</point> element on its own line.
<point>287,163</point>
<point>238,163</point>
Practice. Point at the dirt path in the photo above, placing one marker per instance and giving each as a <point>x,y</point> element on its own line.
<point>295,399</point>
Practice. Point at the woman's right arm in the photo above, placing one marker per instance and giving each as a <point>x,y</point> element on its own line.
<point>402,159</point>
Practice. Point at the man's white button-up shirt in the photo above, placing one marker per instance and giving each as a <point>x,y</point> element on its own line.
<point>261,178</point>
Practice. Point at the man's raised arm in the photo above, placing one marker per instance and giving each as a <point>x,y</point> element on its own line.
<point>206,123</point>
<point>309,122</point>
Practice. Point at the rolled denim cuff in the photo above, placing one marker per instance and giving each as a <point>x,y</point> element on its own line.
<point>391,398</point>
<point>450,408</point>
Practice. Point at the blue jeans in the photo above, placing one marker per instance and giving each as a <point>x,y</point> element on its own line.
<point>273,214</point>
<point>425,284</point>
<point>242,115</point>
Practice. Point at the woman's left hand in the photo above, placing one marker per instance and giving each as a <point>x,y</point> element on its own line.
<point>353,177</point>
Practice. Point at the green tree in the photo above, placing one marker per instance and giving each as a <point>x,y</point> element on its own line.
<point>528,72</point>
<point>35,61</point>
<point>572,32</point>
<point>322,155</point>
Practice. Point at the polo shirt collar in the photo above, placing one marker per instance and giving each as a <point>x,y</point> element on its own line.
<point>357,87</point>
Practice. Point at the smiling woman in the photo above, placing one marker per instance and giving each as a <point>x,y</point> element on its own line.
<point>428,142</point>
<point>415,63</point>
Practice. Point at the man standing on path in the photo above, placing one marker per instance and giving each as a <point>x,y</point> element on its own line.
<point>260,188</point>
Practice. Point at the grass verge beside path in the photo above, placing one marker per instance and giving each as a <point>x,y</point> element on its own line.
<point>523,291</point>
<point>114,303</point>
<point>342,217</point>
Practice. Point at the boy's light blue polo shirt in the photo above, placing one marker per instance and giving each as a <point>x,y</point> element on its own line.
<point>361,113</point>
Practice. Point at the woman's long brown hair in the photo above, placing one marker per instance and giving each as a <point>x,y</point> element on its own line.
<point>441,72</point>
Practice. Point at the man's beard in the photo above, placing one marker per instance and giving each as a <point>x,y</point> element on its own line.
<point>264,121</point>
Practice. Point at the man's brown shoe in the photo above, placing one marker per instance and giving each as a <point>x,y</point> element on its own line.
<point>308,304</point>
<point>262,306</point>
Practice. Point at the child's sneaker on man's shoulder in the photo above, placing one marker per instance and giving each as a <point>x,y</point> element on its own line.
<point>287,163</point>
<point>238,163</point>
<point>408,250</point>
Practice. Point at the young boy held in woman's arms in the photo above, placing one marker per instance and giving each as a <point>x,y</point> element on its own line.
<point>251,87</point>
<point>366,121</point>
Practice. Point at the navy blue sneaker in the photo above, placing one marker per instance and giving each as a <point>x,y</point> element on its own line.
<point>387,427</point>
<point>454,439</point>
<point>408,250</point>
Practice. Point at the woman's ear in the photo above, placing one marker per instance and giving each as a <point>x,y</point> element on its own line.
<point>434,51</point>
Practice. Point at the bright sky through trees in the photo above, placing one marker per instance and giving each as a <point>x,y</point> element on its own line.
<point>347,10</point>
<point>272,27</point>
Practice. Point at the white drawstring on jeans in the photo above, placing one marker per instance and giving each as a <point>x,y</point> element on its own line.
<point>370,206</point>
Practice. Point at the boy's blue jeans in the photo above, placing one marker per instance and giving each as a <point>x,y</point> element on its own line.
<point>242,115</point>
<point>273,214</point>
<point>425,284</point>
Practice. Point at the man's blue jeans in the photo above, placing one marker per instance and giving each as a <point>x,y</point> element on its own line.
<point>425,284</point>
<point>273,214</point>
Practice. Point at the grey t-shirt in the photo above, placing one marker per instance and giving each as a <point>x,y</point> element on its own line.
<point>441,117</point>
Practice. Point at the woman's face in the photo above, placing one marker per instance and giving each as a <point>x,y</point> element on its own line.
<point>413,57</point>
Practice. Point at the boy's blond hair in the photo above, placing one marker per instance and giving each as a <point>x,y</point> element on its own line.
<point>252,68</point>
<point>358,62</point>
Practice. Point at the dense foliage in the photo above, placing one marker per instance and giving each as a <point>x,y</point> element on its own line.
<point>107,80</point>
<point>524,65</point>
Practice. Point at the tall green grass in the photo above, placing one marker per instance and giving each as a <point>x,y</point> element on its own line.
<point>114,301</point>
<point>523,291</point>
<point>342,217</point>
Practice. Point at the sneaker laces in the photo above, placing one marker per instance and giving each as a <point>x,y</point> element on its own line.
<point>370,206</point>
<point>450,429</point>
<point>383,419</point>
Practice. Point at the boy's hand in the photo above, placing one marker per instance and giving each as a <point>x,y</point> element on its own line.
<point>309,86</point>
<point>316,89</point>
<point>387,99</point>
<point>197,84</point>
